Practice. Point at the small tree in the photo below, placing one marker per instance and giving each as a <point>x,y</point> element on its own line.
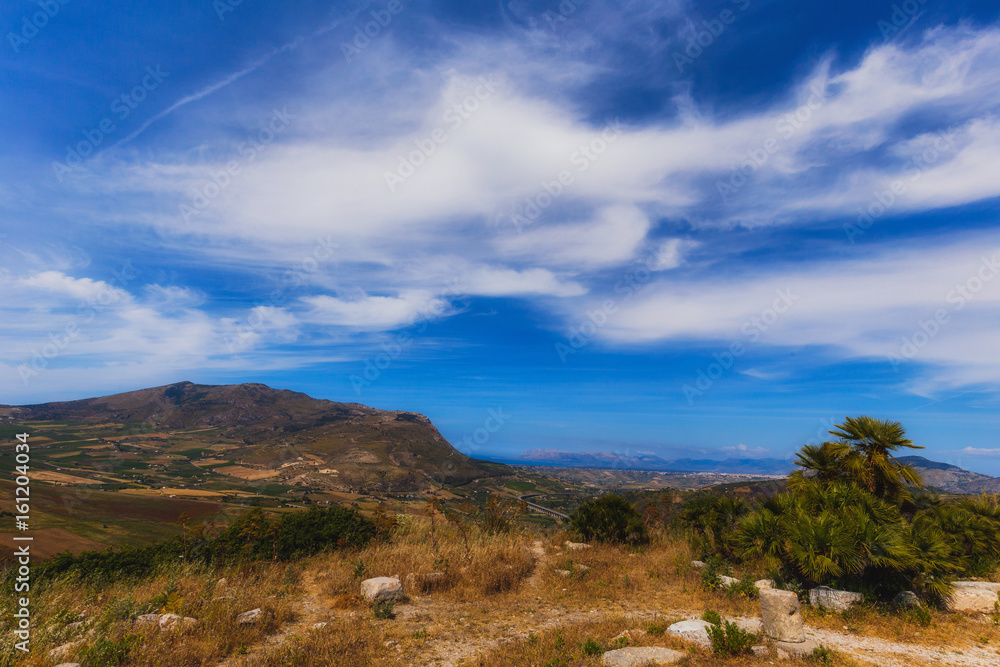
<point>611,519</point>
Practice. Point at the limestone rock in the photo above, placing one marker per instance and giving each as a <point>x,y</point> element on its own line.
<point>698,565</point>
<point>382,588</point>
<point>728,581</point>
<point>906,599</point>
<point>576,546</point>
<point>170,621</point>
<point>749,624</point>
<point>319,626</point>
<point>760,650</point>
<point>762,584</point>
<point>973,597</point>
<point>831,598</point>
<point>640,656</point>
<point>61,651</point>
<point>693,631</point>
<point>252,616</point>
<point>782,615</point>
<point>147,619</point>
<point>787,650</point>
<point>565,573</point>
<point>985,585</point>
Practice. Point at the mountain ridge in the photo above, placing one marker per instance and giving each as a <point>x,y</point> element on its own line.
<point>268,429</point>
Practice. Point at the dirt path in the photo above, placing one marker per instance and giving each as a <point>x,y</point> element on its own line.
<point>882,652</point>
<point>541,560</point>
<point>893,654</point>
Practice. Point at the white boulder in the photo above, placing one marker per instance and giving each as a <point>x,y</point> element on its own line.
<point>382,589</point>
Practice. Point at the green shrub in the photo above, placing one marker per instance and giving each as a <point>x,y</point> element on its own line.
<point>744,588</point>
<point>729,640</point>
<point>384,609</point>
<point>590,647</point>
<point>710,521</point>
<point>610,519</point>
<point>822,655</point>
<point>710,580</point>
<point>712,617</point>
<point>252,537</point>
<point>917,615</point>
<point>655,630</point>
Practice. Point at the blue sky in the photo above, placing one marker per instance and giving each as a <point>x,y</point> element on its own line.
<point>692,229</point>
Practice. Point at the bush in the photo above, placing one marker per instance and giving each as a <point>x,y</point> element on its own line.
<point>384,609</point>
<point>822,655</point>
<point>729,640</point>
<point>917,615</point>
<point>744,588</point>
<point>590,647</point>
<point>710,522</point>
<point>610,519</point>
<point>254,536</point>
<point>655,630</point>
<point>709,576</point>
<point>712,617</point>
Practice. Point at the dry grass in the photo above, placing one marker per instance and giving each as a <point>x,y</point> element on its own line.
<point>355,644</point>
<point>495,605</point>
<point>189,591</point>
<point>493,563</point>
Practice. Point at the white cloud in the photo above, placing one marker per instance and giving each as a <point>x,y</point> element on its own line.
<point>743,449</point>
<point>492,281</point>
<point>610,238</point>
<point>58,284</point>
<point>869,306</point>
<point>975,451</point>
<point>670,254</point>
<point>376,313</point>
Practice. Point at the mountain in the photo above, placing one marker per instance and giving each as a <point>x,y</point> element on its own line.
<point>229,435</point>
<point>943,476</point>
<point>951,478</point>
<point>647,461</point>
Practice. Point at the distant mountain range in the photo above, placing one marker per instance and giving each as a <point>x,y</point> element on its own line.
<point>943,476</point>
<point>647,461</point>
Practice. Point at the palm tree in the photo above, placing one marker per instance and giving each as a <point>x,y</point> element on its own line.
<point>820,463</point>
<point>870,461</point>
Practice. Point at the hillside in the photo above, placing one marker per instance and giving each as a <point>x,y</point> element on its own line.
<point>228,437</point>
<point>951,478</point>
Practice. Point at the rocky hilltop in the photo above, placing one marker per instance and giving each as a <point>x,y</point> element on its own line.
<point>266,429</point>
<point>951,478</point>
